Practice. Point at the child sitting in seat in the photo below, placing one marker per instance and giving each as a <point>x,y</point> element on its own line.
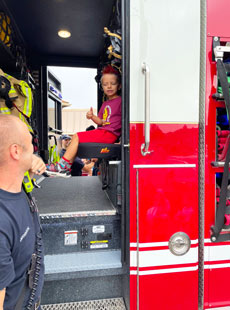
<point>108,120</point>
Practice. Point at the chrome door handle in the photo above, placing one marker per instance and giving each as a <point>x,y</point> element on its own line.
<point>145,146</point>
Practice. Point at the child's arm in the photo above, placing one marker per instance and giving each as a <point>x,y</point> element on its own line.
<point>93,117</point>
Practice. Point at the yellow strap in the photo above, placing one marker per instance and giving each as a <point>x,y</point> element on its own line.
<point>111,53</point>
<point>118,68</point>
<point>106,30</point>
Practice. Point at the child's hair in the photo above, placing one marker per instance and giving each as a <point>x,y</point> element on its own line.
<point>111,70</point>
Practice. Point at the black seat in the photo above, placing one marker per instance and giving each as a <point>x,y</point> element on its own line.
<point>99,150</point>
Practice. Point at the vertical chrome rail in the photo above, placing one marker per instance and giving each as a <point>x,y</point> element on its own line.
<point>145,146</point>
<point>201,168</point>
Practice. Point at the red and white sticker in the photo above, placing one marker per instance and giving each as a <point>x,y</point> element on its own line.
<point>70,237</point>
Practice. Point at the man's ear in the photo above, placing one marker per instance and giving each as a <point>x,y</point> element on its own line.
<point>15,151</point>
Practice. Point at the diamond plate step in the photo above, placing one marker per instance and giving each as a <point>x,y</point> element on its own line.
<point>101,304</point>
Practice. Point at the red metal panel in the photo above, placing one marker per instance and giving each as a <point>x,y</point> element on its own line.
<point>218,292</point>
<point>218,22</point>
<point>168,203</point>
<point>172,188</point>
<point>176,291</point>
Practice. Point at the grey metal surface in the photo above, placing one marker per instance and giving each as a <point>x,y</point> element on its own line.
<point>114,180</point>
<point>202,150</point>
<point>54,231</point>
<point>145,146</point>
<point>82,261</point>
<point>71,196</point>
<point>219,164</point>
<point>82,289</point>
<point>101,304</point>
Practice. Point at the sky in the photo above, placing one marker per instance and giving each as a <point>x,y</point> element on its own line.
<point>79,87</point>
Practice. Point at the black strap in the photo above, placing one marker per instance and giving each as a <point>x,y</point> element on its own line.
<point>4,91</point>
<point>220,214</point>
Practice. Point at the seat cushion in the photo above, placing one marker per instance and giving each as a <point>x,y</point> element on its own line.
<point>99,150</point>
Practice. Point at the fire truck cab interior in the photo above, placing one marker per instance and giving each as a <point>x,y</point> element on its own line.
<point>85,227</point>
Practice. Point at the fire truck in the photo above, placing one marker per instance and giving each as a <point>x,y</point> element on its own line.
<point>152,231</point>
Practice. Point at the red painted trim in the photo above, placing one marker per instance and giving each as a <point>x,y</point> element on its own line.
<point>165,267</point>
<point>156,248</point>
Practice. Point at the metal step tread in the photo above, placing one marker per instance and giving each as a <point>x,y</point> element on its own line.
<point>82,261</point>
<point>100,304</point>
<point>77,196</point>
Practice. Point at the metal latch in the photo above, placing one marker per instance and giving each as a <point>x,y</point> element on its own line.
<point>220,50</point>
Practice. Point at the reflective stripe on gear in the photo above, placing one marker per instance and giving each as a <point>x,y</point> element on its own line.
<point>27,92</point>
<point>4,110</point>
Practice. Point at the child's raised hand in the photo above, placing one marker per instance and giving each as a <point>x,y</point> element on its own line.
<point>89,114</point>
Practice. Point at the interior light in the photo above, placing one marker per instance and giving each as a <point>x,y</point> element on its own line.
<point>64,33</point>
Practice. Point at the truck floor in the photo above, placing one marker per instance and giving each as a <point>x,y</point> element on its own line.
<point>76,195</point>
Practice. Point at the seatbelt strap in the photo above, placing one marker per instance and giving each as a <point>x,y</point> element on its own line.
<point>220,214</point>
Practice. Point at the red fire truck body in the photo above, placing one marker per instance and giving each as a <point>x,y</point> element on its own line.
<point>166,205</point>
<point>150,246</point>
<point>164,188</point>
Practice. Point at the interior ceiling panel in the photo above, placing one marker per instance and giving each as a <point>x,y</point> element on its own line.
<point>39,21</point>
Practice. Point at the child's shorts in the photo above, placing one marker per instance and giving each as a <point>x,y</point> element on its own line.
<point>97,136</point>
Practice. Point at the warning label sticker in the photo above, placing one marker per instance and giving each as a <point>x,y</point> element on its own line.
<point>97,229</point>
<point>70,237</point>
<point>100,244</point>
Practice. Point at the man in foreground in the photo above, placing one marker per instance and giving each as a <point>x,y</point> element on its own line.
<point>20,234</point>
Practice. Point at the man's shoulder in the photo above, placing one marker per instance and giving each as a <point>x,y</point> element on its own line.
<point>12,206</point>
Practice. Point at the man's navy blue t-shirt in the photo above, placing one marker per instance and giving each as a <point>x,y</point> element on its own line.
<point>17,244</point>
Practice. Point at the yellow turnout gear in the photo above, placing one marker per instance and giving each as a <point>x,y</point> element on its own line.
<point>21,97</point>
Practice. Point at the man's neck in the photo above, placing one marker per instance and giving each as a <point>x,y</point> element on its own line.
<point>10,181</point>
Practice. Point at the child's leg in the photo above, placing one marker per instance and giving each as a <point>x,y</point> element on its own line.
<point>71,151</point>
<point>96,136</point>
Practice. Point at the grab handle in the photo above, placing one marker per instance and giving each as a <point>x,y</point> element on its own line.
<point>145,146</point>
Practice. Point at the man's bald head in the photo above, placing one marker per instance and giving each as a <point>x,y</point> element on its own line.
<point>12,130</point>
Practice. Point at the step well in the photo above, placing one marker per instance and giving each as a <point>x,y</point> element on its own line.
<point>101,304</point>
